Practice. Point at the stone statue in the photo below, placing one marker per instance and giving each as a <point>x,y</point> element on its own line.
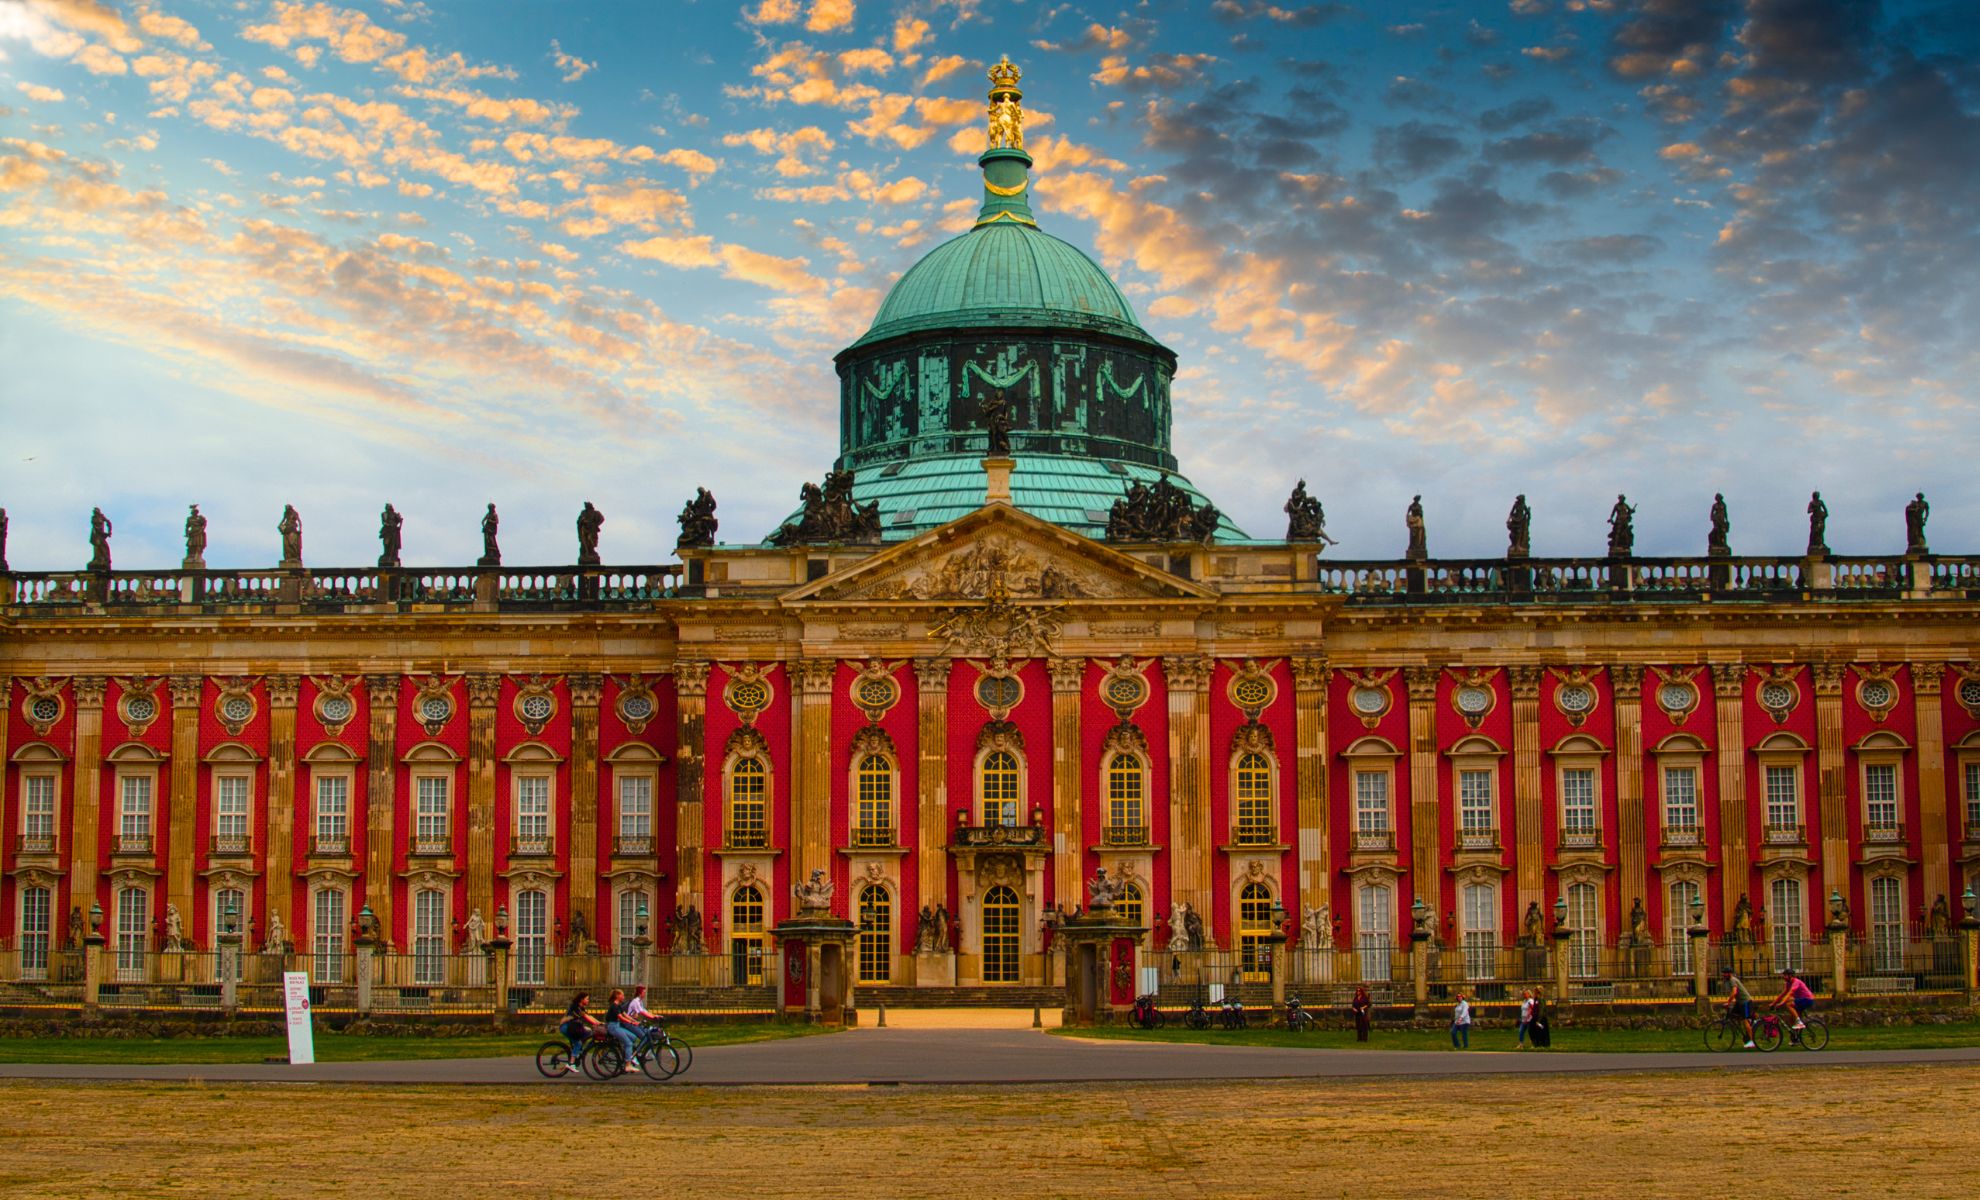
<point>580,931</point>
<point>698,520</point>
<point>1622,529</point>
<point>1316,927</point>
<point>1193,925</point>
<point>290,527</point>
<point>688,939</point>
<point>1178,928</point>
<point>1102,891</point>
<point>924,930</point>
<point>997,421</point>
<point>1531,925</point>
<point>277,936</point>
<point>1163,513</point>
<point>942,927</point>
<point>474,935</point>
<point>1938,922</point>
<point>100,530</point>
<point>830,515</point>
<point>491,551</point>
<point>589,522</point>
<point>1742,922</point>
<point>1419,537</point>
<point>1916,514</point>
<point>1306,521</point>
<point>76,932</point>
<point>175,929</point>
<point>1639,924</point>
<point>815,893</point>
<point>3,539</point>
<point>1818,526</point>
<point>195,540</point>
<point>389,524</point>
<point>1719,540</point>
<point>1519,529</point>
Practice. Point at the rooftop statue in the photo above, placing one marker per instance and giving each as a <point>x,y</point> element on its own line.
<point>290,527</point>
<point>997,421</point>
<point>1419,537</point>
<point>3,539</point>
<point>698,521</point>
<point>1622,529</point>
<point>1916,514</point>
<point>589,522</point>
<point>830,515</point>
<point>1163,513</point>
<point>1306,521</point>
<point>491,551</point>
<point>1718,541</point>
<point>195,539</point>
<point>389,524</point>
<point>1818,526</point>
<point>1006,112</point>
<point>1519,529</point>
<point>100,530</point>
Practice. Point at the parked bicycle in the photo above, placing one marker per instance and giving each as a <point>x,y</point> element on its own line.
<point>1232,1015</point>
<point>1770,1030</point>
<point>1298,1020</point>
<point>1145,1014</point>
<point>1197,1017</point>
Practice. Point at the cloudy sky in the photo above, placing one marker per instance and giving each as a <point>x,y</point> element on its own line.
<point>540,253</point>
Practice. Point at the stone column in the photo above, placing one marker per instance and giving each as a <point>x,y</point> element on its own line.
<point>229,943</point>
<point>811,767</point>
<point>1191,845</point>
<point>932,752</point>
<point>182,798</point>
<point>88,795</point>
<point>498,967</point>
<point>1419,970</point>
<point>380,798</point>
<point>1935,835</point>
<point>1838,931</point>
<point>1529,855</point>
<point>1310,677</point>
<point>483,692</point>
<point>583,868</point>
<point>94,952</point>
<point>1422,684</point>
<point>1829,767</point>
<point>1729,692</point>
<point>1632,846</point>
<point>690,704</point>
<point>1068,775</point>
<point>278,848</point>
<point>1562,938</point>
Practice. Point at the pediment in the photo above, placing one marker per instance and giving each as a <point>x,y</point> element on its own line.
<point>1003,550</point>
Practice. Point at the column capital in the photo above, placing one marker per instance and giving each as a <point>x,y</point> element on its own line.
<point>1067,673</point>
<point>691,677</point>
<point>1729,680</point>
<point>483,689</point>
<point>1311,672</point>
<point>283,690</point>
<point>932,674</point>
<point>1927,678</point>
<point>1422,682</point>
<point>185,690</point>
<point>815,675</point>
<point>89,690</point>
<point>1829,678</point>
<point>586,687</point>
<point>382,690</point>
<point>1627,680</point>
<point>1186,672</point>
<point>1525,681</point>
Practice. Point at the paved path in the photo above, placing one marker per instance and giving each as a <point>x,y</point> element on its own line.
<point>989,1056</point>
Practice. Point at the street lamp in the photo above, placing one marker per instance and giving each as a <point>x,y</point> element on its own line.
<point>639,915</point>
<point>230,917</point>
<point>1697,911</point>
<point>1560,912</point>
<point>95,917</point>
<point>1417,912</point>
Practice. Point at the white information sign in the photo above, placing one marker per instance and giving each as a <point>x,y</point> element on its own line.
<point>295,999</point>
<point>1151,980</point>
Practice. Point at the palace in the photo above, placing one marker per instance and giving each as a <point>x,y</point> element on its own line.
<point>1002,647</point>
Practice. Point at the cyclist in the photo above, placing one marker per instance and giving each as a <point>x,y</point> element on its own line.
<point>1739,1002</point>
<point>1795,991</point>
<point>621,1030</point>
<point>578,1022</point>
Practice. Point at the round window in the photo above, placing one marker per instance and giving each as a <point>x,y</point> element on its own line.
<point>1251,691</point>
<point>748,695</point>
<point>538,707</point>
<point>141,708</point>
<point>44,708</point>
<point>1472,701</point>
<point>1125,691</point>
<point>637,708</point>
<point>1777,695</point>
<point>997,691</point>
<point>1877,694</point>
<point>1576,698</point>
<point>1370,700</point>
<point>236,708</point>
<point>436,708</point>
<point>1678,697</point>
<point>336,709</point>
<point>876,693</point>
<point>1969,693</point>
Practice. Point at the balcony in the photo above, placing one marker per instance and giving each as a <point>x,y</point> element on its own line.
<point>230,844</point>
<point>1124,835</point>
<point>1477,838</point>
<point>1377,840</point>
<point>1255,833</point>
<point>1581,838</point>
<point>133,843</point>
<point>1683,837</point>
<point>431,845</point>
<point>1883,832</point>
<point>874,835</point>
<point>330,845</point>
<point>974,836</point>
<point>746,838</point>
<point>532,845</point>
<point>35,843</point>
<point>632,845</point>
<point>1782,835</point>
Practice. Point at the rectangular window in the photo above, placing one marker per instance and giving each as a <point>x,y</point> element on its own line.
<point>1880,798</point>
<point>1253,793</point>
<point>1972,801</point>
<point>230,808</point>
<point>1584,947</point>
<point>632,907</point>
<point>431,811</point>
<point>1681,799</point>
<point>1886,924</point>
<point>635,807</point>
<point>532,936</point>
<point>1578,800</point>
<point>429,936</point>
<point>1783,788</point>
<point>1481,931</point>
<point>1786,928</point>
<point>230,914</point>
<point>1475,804</point>
<point>873,817</point>
<point>326,931</point>
<point>36,931</point>
<point>1371,802</point>
<point>1684,893</point>
<point>532,809</point>
<point>133,932</point>
<point>38,810</point>
<point>1375,930</point>
<point>333,813</point>
<point>134,812</point>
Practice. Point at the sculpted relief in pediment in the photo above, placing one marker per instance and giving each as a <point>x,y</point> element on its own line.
<point>977,571</point>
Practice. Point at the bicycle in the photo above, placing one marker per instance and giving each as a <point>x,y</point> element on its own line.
<point>1813,1034</point>
<point>1298,1020</point>
<point>597,1055</point>
<point>1233,1014</point>
<point>1145,1014</point>
<point>1197,1017</point>
<point>660,1055</point>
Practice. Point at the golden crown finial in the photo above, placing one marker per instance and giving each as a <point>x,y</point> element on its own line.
<point>1004,74</point>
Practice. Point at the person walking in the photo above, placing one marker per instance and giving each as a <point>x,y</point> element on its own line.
<point>1525,1017</point>
<point>1359,1006</point>
<point>1461,1023</point>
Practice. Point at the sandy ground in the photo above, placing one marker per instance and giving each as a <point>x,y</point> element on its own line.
<point>1832,1131</point>
<point>963,1018</point>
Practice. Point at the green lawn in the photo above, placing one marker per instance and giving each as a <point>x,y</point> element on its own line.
<point>1626,1041</point>
<point>336,1047</point>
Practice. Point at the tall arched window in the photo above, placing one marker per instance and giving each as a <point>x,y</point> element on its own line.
<point>876,934</point>
<point>1374,929</point>
<point>1001,937</point>
<point>1127,801</point>
<point>633,912</point>
<point>429,936</point>
<point>1584,948</point>
<point>1254,926</point>
<point>748,803</point>
<point>1481,931</point>
<point>327,915</point>
<point>1787,920</point>
<point>36,931</point>
<point>532,936</point>
<point>746,935</point>
<point>1677,920</point>
<point>228,900</point>
<point>1132,907</point>
<point>997,784</point>
<point>133,931</point>
<point>1886,924</point>
<point>873,816</point>
<point>1252,789</point>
